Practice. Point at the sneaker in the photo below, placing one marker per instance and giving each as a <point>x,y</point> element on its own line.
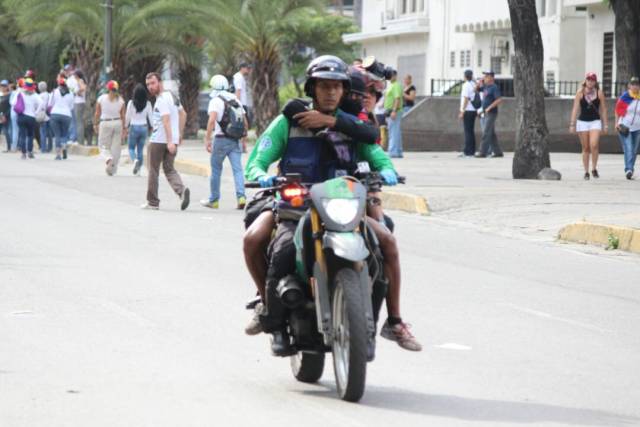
<point>31,156</point>
<point>209,204</point>
<point>23,156</point>
<point>108,169</point>
<point>184,199</point>
<point>64,154</point>
<point>497,155</point>
<point>58,157</point>
<point>629,174</point>
<point>400,334</point>
<point>255,327</point>
<point>242,202</point>
<point>479,155</point>
<point>586,176</point>
<point>136,166</point>
<point>595,173</point>
<point>149,207</point>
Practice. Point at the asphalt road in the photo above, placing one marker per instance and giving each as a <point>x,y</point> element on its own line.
<point>114,316</point>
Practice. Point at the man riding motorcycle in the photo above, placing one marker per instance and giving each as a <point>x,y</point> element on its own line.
<point>302,145</point>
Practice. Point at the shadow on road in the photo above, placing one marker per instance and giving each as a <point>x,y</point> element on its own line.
<point>464,408</point>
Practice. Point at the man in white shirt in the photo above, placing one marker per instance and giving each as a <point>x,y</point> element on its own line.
<point>168,123</point>
<point>74,86</point>
<point>244,95</point>
<point>468,113</point>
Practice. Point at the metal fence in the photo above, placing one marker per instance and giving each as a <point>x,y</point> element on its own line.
<point>552,88</point>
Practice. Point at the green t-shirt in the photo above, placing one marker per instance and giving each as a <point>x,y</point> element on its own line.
<point>393,91</point>
<point>272,144</point>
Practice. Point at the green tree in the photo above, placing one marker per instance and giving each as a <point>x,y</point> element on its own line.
<point>627,22</point>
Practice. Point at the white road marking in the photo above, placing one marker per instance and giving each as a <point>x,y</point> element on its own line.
<point>557,318</point>
<point>21,313</point>
<point>454,346</point>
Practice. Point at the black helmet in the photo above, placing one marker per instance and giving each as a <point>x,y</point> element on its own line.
<point>358,81</point>
<point>326,67</point>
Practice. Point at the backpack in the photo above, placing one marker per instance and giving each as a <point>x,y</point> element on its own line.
<point>476,102</point>
<point>232,122</point>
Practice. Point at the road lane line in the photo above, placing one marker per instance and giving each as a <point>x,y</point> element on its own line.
<point>557,318</point>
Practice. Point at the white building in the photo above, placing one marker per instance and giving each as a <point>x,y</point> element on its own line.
<point>439,39</point>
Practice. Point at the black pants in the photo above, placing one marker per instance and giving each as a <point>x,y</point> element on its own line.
<point>26,132</point>
<point>469,121</point>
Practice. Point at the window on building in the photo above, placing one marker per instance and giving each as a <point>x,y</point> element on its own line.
<point>404,6</point>
<point>467,61</point>
<point>462,58</point>
<point>453,59</point>
<point>496,64</point>
<point>479,57</point>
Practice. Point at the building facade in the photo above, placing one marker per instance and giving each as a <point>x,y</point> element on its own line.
<point>439,39</point>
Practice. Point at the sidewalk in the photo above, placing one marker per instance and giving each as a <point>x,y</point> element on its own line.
<point>480,193</point>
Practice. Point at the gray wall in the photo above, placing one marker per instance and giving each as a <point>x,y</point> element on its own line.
<point>433,125</point>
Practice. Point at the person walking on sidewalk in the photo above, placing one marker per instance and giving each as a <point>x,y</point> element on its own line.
<point>628,124</point>
<point>393,108</point>
<point>591,103</point>
<point>137,120</point>
<point>5,113</point>
<point>491,98</point>
<point>228,124</point>
<point>469,103</point>
<point>168,120</point>
<point>110,116</point>
<point>27,105</point>
<point>243,94</point>
<point>46,135</point>
<point>79,100</point>
<point>61,109</point>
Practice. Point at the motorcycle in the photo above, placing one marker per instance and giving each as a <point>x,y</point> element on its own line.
<point>333,299</point>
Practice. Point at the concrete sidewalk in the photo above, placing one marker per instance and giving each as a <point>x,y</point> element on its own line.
<point>481,194</point>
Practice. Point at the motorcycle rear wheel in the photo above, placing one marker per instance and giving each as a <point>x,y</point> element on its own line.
<point>350,336</point>
<point>307,367</point>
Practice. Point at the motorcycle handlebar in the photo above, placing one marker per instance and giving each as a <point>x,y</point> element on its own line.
<point>283,180</point>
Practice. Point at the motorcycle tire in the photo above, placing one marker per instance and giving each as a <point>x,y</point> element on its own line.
<point>307,367</point>
<point>350,336</point>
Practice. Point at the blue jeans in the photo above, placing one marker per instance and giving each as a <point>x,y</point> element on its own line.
<point>46,137</point>
<point>137,137</point>
<point>225,147</point>
<point>395,135</point>
<point>630,145</point>
<point>60,125</point>
<point>72,126</point>
<point>14,130</point>
<point>27,128</point>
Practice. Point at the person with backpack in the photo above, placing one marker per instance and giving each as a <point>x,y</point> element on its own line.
<point>469,103</point>
<point>226,127</point>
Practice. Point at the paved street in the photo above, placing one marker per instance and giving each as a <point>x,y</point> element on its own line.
<point>114,316</point>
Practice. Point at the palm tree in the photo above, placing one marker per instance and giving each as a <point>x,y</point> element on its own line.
<point>256,29</point>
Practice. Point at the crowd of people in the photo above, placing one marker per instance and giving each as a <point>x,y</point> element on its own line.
<point>589,119</point>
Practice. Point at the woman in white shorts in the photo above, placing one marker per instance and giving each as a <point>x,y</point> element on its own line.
<point>590,101</point>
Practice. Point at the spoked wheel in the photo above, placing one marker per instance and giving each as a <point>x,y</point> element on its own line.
<point>307,367</point>
<point>350,336</point>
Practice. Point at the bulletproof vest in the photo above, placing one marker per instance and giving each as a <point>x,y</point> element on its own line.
<point>318,157</point>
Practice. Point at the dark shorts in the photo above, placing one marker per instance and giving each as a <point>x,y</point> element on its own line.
<point>249,111</point>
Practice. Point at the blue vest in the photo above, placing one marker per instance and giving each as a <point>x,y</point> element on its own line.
<point>314,158</point>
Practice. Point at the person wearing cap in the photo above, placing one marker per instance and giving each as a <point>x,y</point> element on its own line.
<point>61,109</point>
<point>393,102</point>
<point>5,112</point>
<point>46,135</point>
<point>491,98</point>
<point>222,145</point>
<point>243,94</point>
<point>590,102</point>
<point>628,124</point>
<point>468,113</point>
<point>27,104</point>
<point>109,125</point>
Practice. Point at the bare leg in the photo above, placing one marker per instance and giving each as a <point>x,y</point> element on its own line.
<point>594,146</point>
<point>255,243</point>
<point>586,151</point>
<point>391,266</point>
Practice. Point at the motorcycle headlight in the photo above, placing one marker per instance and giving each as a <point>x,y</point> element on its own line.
<point>342,211</point>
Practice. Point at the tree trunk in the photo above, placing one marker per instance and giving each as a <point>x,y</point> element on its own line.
<point>627,22</point>
<point>190,78</point>
<point>532,148</point>
<point>264,85</point>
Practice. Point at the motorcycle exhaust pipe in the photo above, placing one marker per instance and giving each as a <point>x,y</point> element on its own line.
<point>290,292</point>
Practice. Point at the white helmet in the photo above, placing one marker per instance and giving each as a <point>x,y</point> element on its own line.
<point>219,82</point>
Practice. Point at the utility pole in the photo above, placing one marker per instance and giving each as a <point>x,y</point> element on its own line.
<point>108,20</point>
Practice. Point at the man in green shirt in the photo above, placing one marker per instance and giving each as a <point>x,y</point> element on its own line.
<point>393,108</point>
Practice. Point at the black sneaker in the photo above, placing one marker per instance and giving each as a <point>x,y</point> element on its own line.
<point>30,155</point>
<point>185,199</point>
<point>629,174</point>
<point>64,154</point>
<point>595,173</point>
<point>586,176</point>
<point>479,155</point>
<point>280,344</point>
<point>497,155</point>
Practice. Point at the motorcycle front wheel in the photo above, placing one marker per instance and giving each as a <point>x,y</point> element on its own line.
<point>349,336</point>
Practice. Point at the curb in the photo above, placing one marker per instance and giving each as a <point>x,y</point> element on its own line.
<point>390,200</point>
<point>598,234</point>
<point>83,150</point>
